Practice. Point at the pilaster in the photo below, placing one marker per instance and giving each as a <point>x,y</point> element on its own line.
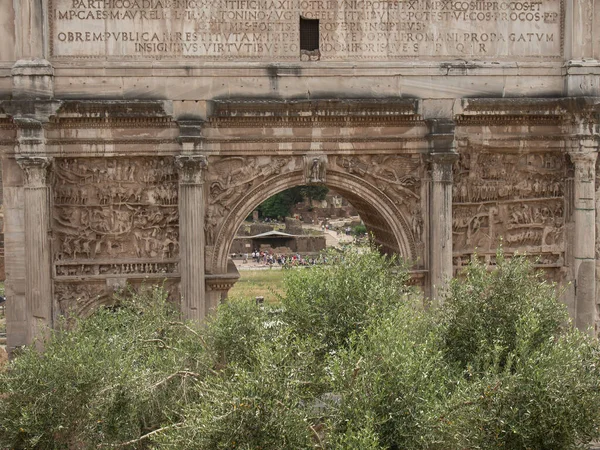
<point>191,234</point>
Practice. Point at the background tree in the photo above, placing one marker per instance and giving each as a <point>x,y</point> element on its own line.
<point>280,205</point>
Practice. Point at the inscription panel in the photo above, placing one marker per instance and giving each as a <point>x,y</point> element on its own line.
<point>270,29</point>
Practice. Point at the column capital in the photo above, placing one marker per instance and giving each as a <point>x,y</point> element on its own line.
<point>191,168</point>
<point>35,169</point>
<point>441,166</point>
<point>583,158</point>
<point>585,165</point>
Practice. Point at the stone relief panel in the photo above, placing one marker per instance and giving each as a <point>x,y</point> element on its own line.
<point>230,179</point>
<point>81,298</point>
<point>315,169</point>
<point>115,216</point>
<point>517,200</point>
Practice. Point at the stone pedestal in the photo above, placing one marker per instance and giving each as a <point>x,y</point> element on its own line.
<point>38,289</point>
<point>191,235</point>
<point>440,255</point>
<point>584,266</point>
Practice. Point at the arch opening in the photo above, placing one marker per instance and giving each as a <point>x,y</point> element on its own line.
<point>380,215</point>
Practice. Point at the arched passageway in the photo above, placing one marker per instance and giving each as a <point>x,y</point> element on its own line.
<point>381,215</point>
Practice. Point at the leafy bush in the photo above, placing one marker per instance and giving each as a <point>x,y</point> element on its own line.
<point>359,230</point>
<point>491,315</point>
<point>333,301</point>
<point>392,381</point>
<point>349,360</point>
<point>111,378</point>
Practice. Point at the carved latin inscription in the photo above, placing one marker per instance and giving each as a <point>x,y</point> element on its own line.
<point>269,29</point>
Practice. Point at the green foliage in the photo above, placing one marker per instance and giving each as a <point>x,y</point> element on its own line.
<point>547,400</point>
<point>332,301</point>
<point>359,230</point>
<point>280,205</point>
<point>491,316</point>
<point>266,406</point>
<point>314,192</point>
<point>106,380</point>
<point>349,360</point>
<point>393,380</point>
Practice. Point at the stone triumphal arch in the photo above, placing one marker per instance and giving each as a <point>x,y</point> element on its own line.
<point>136,135</point>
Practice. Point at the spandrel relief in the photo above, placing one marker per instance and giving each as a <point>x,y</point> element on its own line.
<point>230,179</point>
<point>109,208</point>
<point>80,299</point>
<point>511,199</point>
<point>398,177</point>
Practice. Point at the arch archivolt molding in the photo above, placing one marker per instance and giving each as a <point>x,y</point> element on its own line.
<point>388,185</point>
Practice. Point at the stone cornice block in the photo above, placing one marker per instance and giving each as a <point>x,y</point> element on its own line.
<point>32,79</point>
<point>32,67</point>
<point>583,67</point>
<point>190,131</point>
<point>441,135</point>
<point>501,110</point>
<point>27,111</point>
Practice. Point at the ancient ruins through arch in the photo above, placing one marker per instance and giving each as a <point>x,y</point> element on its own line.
<point>136,135</point>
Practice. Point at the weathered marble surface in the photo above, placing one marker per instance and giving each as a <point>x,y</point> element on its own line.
<point>159,125</point>
<point>351,30</point>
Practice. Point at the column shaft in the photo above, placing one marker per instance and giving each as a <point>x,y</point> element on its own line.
<point>38,264</point>
<point>585,237</point>
<point>441,269</point>
<point>191,236</point>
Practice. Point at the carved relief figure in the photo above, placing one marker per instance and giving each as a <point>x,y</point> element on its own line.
<point>229,179</point>
<point>314,169</point>
<point>115,208</point>
<point>397,176</point>
<point>515,197</point>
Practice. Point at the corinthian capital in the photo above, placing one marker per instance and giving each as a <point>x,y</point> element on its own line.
<point>585,165</point>
<point>191,168</point>
<point>35,169</point>
<point>441,166</point>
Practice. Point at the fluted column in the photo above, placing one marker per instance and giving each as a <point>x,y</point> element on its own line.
<point>38,275</point>
<point>191,235</point>
<point>441,222</point>
<point>584,160</point>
